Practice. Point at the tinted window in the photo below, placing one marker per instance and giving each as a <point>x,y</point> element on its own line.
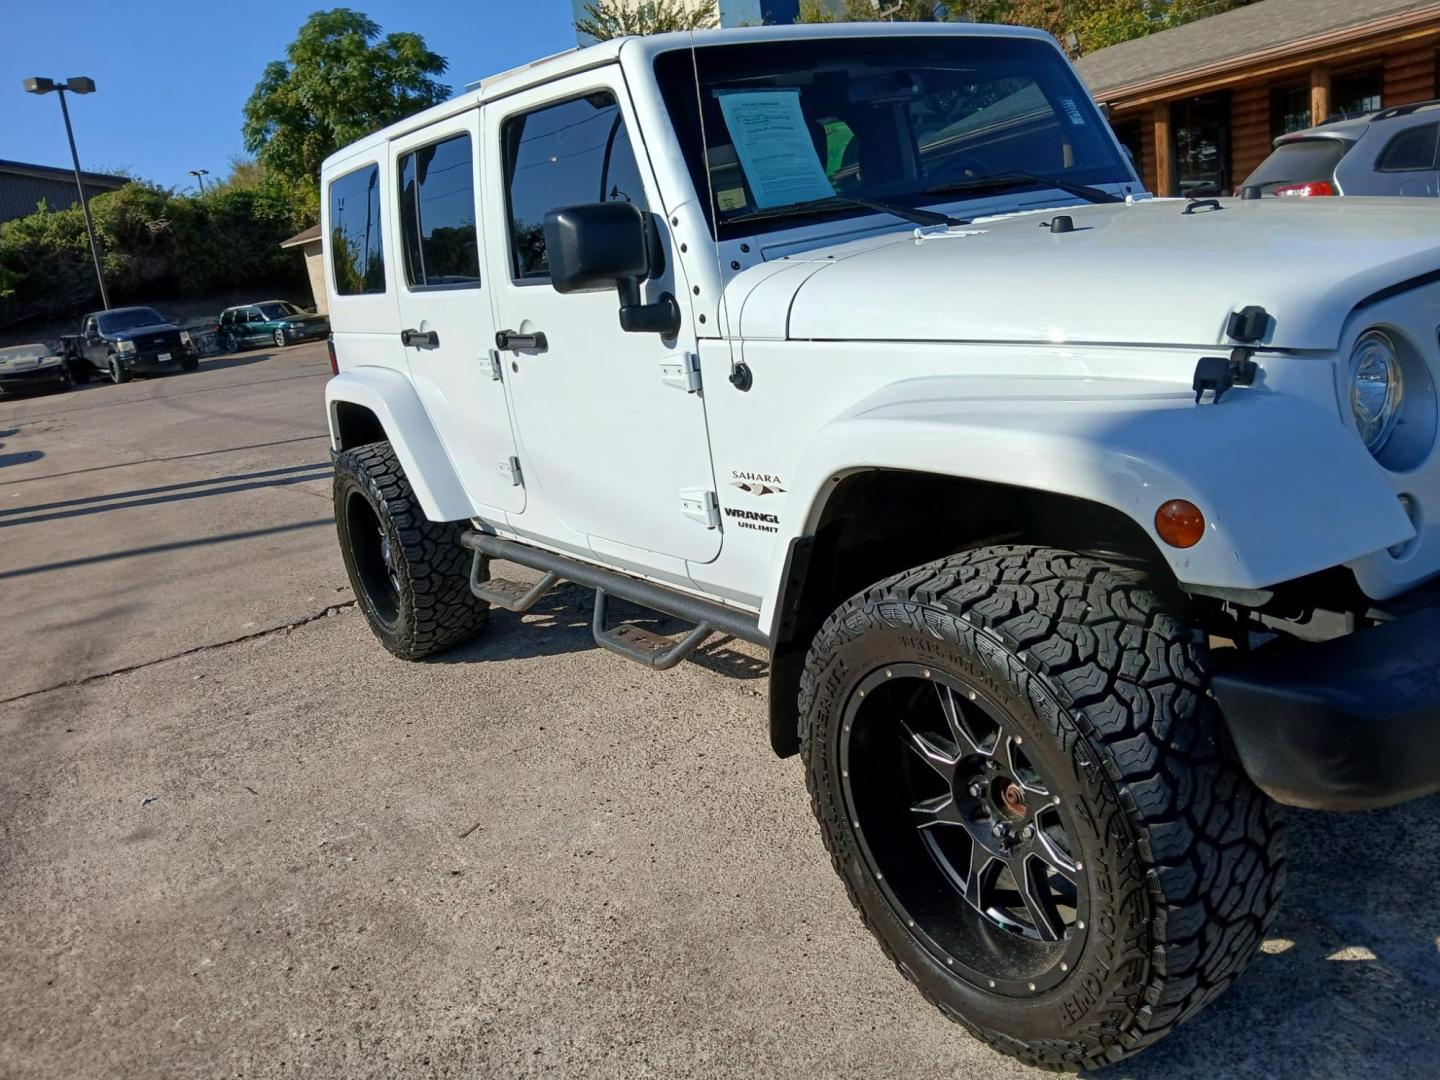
<point>567,154</point>
<point>1413,150</point>
<point>356,245</point>
<point>1299,162</point>
<point>279,310</point>
<point>437,215</point>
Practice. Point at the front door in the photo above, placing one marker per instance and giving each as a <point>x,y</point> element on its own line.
<point>613,447</point>
<point>445,307</point>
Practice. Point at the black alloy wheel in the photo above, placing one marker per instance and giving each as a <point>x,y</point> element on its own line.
<point>953,816</point>
<point>1031,799</point>
<point>373,558</point>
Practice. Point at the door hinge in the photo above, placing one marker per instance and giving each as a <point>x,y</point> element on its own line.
<point>497,366</point>
<point>700,504</point>
<point>682,373</point>
<point>510,467</point>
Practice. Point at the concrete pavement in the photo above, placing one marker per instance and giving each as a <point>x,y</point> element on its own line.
<point>295,855</point>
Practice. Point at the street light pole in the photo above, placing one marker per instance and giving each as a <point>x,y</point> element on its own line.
<point>79,85</point>
<point>200,175</point>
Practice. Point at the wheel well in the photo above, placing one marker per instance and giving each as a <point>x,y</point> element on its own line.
<point>355,425</point>
<point>880,522</point>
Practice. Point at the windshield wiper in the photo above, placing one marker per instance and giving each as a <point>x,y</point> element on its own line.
<point>1013,179</point>
<point>839,202</point>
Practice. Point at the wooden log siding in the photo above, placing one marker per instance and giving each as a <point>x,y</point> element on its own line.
<point>1250,134</point>
<point>1410,75</point>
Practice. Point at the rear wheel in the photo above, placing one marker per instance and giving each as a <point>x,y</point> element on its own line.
<point>410,575</point>
<point>230,342</point>
<point>1027,792</point>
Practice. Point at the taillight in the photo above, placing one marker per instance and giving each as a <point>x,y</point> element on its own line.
<point>330,347</point>
<point>1308,190</point>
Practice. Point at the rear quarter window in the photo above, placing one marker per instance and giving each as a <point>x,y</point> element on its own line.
<point>357,250</point>
<point>1411,150</point>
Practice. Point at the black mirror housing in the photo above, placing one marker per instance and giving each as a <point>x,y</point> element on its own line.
<point>598,245</point>
<point>611,245</point>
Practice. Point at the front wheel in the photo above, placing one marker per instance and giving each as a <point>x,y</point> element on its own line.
<point>410,575</point>
<point>280,338</point>
<point>118,373</point>
<point>1029,796</point>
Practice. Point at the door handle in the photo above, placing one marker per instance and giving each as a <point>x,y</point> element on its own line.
<point>510,340</point>
<point>427,339</point>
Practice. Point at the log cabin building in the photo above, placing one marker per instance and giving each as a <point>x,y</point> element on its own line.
<point>1199,105</point>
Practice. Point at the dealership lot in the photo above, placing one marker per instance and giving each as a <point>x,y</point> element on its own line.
<point>237,838</point>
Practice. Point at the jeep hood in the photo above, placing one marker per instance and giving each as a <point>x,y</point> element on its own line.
<point>1141,274</point>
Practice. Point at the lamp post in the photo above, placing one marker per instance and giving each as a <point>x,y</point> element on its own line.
<point>200,175</point>
<point>78,84</point>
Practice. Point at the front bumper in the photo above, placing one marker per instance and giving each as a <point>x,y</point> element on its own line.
<point>306,333</point>
<point>51,375</point>
<point>1348,724</point>
<point>149,363</point>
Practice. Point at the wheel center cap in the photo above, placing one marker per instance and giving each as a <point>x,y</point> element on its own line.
<point>1012,797</point>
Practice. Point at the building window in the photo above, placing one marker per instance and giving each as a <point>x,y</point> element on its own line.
<point>437,215</point>
<point>574,152</point>
<point>1357,92</point>
<point>1290,109</point>
<point>1202,144</point>
<point>356,249</point>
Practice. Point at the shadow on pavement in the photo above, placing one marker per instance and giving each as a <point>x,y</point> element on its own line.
<point>166,493</point>
<point>157,549</point>
<point>560,623</point>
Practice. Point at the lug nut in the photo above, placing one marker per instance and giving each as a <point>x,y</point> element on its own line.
<point>1000,830</point>
<point>977,789</point>
<point>1028,833</point>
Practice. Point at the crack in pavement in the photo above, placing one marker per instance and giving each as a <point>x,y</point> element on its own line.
<point>85,680</point>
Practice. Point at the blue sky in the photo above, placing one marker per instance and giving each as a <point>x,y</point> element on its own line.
<point>172,75</point>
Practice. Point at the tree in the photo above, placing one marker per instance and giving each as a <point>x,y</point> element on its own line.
<point>832,11</point>
<point>339,82</point>
<point>608,19</point>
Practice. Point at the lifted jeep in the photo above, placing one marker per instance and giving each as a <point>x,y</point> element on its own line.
<point>1082,529</point>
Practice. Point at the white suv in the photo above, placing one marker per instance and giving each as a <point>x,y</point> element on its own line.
<point>1082,529</point>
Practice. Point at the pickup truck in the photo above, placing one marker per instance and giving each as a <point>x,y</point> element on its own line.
<point>124,342</point>
<point>1084,531</point>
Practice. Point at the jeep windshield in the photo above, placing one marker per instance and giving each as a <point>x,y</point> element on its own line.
<point>800,131</point>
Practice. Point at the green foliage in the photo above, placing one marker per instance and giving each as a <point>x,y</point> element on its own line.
<point>339,82</point>
<point>606,19</point>
<point>153,244</point>
<point>1095,23</point>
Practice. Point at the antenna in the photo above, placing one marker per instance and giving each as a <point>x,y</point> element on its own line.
<point>739,378</point>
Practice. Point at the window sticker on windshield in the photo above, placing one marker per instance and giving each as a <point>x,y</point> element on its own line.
<point>1077,119</point>
<point>774,145</point>
<point>731,198</point>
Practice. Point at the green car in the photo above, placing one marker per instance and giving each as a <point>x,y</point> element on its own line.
<point>270,322</point>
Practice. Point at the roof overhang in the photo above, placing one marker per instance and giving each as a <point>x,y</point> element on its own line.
<point>1416,24</point>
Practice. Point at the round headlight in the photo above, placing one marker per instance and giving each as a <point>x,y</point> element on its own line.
<point>1377,388</point>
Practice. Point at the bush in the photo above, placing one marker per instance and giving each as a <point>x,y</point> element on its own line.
<point>155,245</point>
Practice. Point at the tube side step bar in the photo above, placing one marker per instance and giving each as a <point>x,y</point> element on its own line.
<point>630,641</point>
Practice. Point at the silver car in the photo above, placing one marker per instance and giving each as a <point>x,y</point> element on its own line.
<point>1391,152</point>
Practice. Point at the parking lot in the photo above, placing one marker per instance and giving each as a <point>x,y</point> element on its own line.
<point>238,839</point>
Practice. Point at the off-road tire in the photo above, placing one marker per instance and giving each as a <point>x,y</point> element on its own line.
<point>1113,686</point>
<point>118,374</point>
<point>434,608</point>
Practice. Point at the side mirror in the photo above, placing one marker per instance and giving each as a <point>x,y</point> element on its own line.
<point>611,245</point>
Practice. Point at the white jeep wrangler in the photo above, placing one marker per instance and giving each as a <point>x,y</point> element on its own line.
<point>1082,528</point>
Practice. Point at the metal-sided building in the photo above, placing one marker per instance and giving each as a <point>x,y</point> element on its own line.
<point>23,187</point>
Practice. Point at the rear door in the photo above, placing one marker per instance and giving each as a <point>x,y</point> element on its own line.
<point>445,311</point>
